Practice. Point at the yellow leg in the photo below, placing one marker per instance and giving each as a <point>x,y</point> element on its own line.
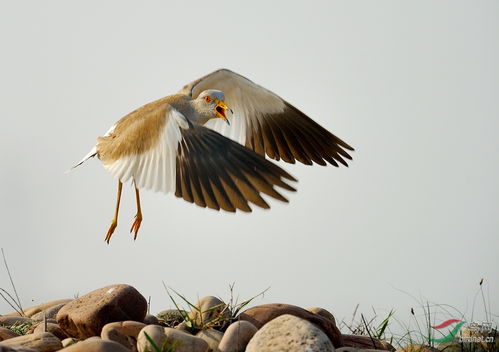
<point>138,216</point>
<point>114,223</point>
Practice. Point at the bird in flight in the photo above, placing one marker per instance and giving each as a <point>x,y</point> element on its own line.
<point>207,144</point>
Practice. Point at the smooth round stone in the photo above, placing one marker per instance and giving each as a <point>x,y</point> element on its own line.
<point>6,334</point>
<point>52,328</point>
<point>212,338</point>
<point>291,334</point>
<point>209,309</point>
<point>169,337</point>
<point>43,342</point>
<point>49,313</point>
<point>96,345</point>
<point>237,336</point>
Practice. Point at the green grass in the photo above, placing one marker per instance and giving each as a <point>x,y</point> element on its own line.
<point>225,313</point>
<point>416,328</point>
<point>166,347</point>
<point>20,328</point>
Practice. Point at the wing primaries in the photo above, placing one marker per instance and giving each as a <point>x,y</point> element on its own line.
<point>216,172</point>
<point>267,124</point>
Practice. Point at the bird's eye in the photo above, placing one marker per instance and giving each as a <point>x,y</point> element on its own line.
<point>207,99</point>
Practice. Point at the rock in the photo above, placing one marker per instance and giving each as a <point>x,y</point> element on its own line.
<point>348,349</point>
<point>262,314</point>
<point>43,342</point>
<point>85,316</point>
<point>168,337</point>
<point>291,334</point>
<point>68,342</point>
<point>182,327</point>
<point>6,349</point>
<point>6,334</point>
<point>13,320</point>
<point>480,335</point>
<point>150,319</point>
<point>16,349</point>
<point>96,345</point>
<point>155,333</point>
<point>323,313</point>
<point>49,313</point>
<point>417,348</point>
<point>365,342</point>
<point>29,312</point>
<point>237,336</point>
<point>52,328</point>
<point>210,310</point>
<point>171,317</point>
<point>212,338</point>
<point>112,334</point>
<point>127,328</point>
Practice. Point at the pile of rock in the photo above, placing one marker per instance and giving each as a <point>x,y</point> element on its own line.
<point>114,319</point>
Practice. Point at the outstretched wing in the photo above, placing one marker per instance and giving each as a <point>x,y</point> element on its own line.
<point>267,124</point>
<point>160,149</point>
<point>216,172</point>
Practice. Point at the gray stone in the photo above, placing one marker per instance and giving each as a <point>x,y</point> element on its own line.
<point>288,333</point>
<point>49,313</point>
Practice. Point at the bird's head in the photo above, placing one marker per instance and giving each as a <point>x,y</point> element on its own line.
<point>210,104</point>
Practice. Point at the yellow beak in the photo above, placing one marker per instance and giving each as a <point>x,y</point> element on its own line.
<point>220,109</point>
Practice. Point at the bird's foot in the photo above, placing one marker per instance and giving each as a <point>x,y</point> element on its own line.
<point>110,232</point>
<point>136,225</point>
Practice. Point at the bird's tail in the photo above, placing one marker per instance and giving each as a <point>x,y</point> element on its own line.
<point>90,154</point>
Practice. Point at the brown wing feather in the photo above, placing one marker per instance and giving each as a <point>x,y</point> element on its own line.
<point>216,172</point>
<point>273,126</point>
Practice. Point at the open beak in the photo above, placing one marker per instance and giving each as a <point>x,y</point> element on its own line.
<point>220,110</point>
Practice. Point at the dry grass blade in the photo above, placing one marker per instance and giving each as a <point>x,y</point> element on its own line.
<point>15,302</point>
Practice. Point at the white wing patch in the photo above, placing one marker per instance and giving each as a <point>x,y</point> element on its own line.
<point>248,100</point>
<point>154,169</point>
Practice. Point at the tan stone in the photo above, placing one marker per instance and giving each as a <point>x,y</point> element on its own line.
<point>43,342</point>
<point>128,327</point>
<point>52,328</point>
<point>179,340</point>
<point>237,336</point>
<point>365,342</point>
<point>68,341</point>
<point>30,311</point>
<point>156,333</point>
<point>209,309</point>
<point>291,334</point>
<point>212,338</point>
<point>85,316</point>
<point>96,345</point>
<point>6,334</point>
<point>262,314</point>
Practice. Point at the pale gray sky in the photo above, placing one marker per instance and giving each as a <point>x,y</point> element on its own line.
<point>413,86</point>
